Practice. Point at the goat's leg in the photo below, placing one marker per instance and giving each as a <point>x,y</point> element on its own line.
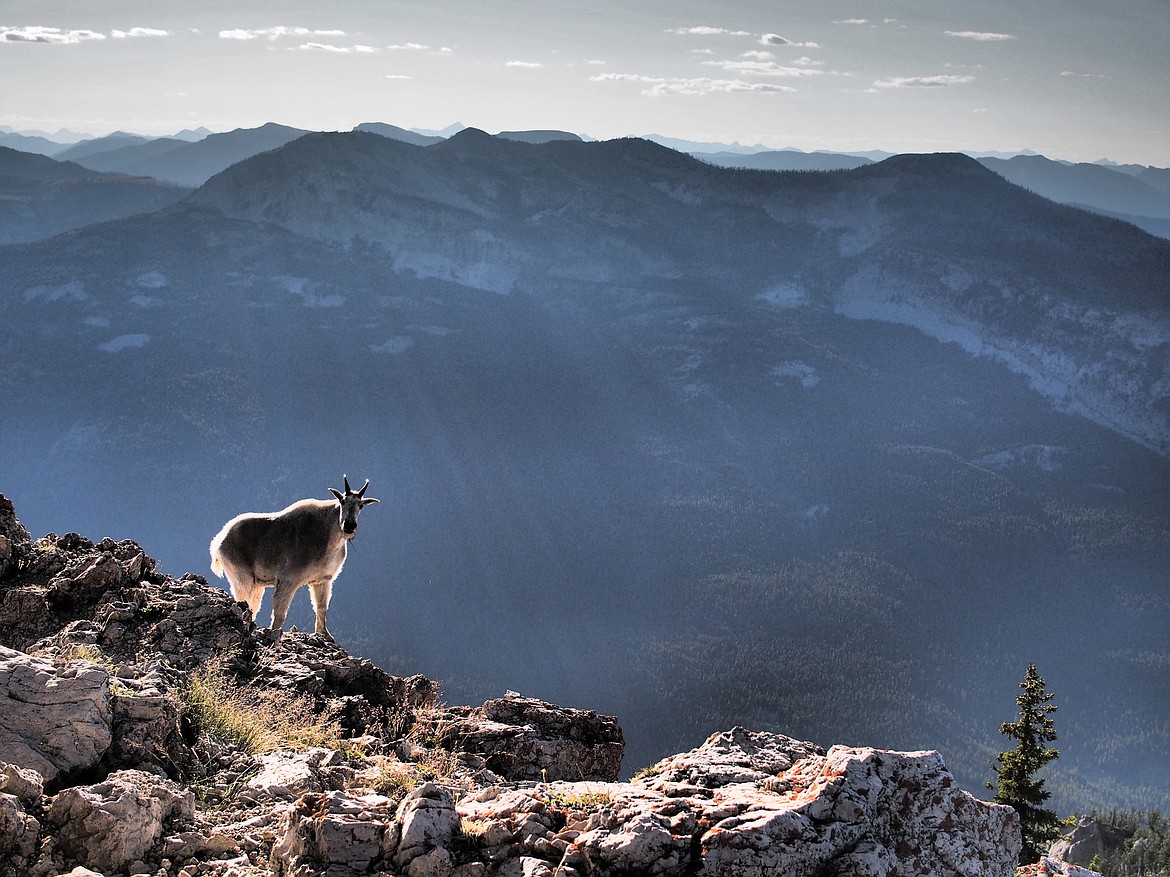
<point>320,592</point>
<point>281,600</point>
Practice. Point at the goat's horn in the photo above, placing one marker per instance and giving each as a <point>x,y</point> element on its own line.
<point>345,478</point>
<point>364,486</point>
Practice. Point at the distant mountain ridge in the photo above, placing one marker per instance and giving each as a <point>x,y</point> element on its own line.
<point>180,162</point>
<point>1083,185</point>
<point>41,197</point>
<point>885,234</point>
<point>1137,199</point>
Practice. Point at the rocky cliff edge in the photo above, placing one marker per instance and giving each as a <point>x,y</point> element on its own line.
<point>148,727</point>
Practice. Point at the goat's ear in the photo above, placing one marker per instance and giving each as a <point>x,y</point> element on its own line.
<point>369,499</point>
<point>336,493</point>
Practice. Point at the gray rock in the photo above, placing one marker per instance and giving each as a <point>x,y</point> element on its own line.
<point>27,785</point>
<point>19,831</point>
<point>1088,839</point>
<point>522,738</point>
<point>109,825</point>
<point>56,720</point>
<point>335,834</point>
<point>735,756</point>
<point>146,734</point>
<point>428,819</point>
<point>286,776</point>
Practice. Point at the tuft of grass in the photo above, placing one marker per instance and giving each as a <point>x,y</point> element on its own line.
<point>590,799</point>
<point>645,773</point>
<point>472,829</point>
<point>395,780</point>
<point>256,721</point>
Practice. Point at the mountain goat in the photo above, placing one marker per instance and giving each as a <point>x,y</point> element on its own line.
<point>304,544</point>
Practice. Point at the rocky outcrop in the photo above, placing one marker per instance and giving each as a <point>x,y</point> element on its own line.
<point>1089,839</point>
<point>118,754</point>
<point>521,738</point>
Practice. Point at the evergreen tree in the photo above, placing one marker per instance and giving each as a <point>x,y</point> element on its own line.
<point>1016,769</point>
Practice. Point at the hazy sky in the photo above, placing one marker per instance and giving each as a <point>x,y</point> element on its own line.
<point>1074,79</point>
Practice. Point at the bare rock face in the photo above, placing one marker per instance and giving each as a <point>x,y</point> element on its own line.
<point>522,738</point>
<point>114,823</point>
<point>55,720</point>
<point>845,812</point>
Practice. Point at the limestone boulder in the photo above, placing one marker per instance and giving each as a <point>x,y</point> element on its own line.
<point>337,834</point>
<point>26,785</point>
<point>111,824</point>
<point>428,820</point>
<point>286,776</point>
<point>862,810</point>
<point>56,720</point>
<point>735,756</point>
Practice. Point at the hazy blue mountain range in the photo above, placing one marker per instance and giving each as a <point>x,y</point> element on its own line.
<point>396,133</point>
<point>40,197</point>
<point>97,145</point>
<point>24,142</point>
<point>1142,198</point>
<point>834,454</point>
<point>1133,193</point>
<point>177,161</point>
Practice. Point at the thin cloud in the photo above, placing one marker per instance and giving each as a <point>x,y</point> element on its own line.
<point>762,68</point>
<point>1084,75</point>
<point>706,31</point>
<point>660,86</point>
<point>410,46</point>
<point>939,81</point>
<point>274,33</point>
<point>135,32</point>
<point>527,64</point>
<point>980,36</point>
<point>37,34</point>
<point>322,47</point>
